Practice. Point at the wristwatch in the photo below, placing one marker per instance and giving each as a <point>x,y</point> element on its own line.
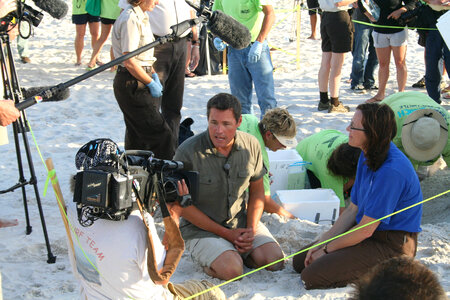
<point>325,249</point>
<point>194,42</point>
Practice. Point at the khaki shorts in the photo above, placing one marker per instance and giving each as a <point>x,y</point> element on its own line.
<point>206,250</point>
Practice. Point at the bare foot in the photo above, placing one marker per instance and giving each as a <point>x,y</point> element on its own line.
<point>374,99</point>
<point>8,223</point>
<point>313,37</point>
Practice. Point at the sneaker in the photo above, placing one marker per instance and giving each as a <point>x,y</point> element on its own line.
<point>359,89</point>
<point>324,106</point>
<point>25,59</point>
<point>371,87</point>
<point>339,109</point>
<point>420,83</point>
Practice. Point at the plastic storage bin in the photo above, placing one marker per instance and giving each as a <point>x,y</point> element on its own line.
<point>316,205</point>
<point>287,169</point>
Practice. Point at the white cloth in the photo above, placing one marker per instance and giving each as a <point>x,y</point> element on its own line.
<point>166,14</point>
<point>131,31</point>
<point>118,250</point>
<point>329,5</point>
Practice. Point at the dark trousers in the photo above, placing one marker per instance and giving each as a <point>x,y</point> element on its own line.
<point>341,267</point>
<point>170,65</point>
<point>146,129</point>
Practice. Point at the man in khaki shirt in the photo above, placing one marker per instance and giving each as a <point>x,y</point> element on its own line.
<point>221,231</point>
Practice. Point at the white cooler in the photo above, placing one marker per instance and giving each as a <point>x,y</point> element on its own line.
<point>316,205</point>
<point>287,169</point>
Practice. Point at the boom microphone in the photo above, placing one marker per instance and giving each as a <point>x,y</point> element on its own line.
<point>44,93</point>
<point>55,8</point>
<point>228,29</point>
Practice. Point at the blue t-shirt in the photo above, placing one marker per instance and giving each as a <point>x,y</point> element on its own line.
<point>392,187</point>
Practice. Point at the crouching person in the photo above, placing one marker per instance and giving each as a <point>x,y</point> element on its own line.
<point>116,254</point>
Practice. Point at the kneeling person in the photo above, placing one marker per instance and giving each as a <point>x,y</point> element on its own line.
<point>219,231</point>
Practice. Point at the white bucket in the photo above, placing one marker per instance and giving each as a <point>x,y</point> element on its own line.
<point>315,205</point>
<point>287,169</point>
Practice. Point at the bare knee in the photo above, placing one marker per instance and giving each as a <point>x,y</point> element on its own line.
<point>226,266</point>
<point>267,254</point>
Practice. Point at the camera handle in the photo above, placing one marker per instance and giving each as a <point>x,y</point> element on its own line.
<point>176,243</point>
<point>177,31</point>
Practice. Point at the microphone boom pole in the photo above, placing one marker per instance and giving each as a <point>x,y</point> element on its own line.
<point>177,31</point>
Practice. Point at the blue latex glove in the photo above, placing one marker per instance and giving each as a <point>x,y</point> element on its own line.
<point>219,44</point>
<point>155,86</point>
<point>255,52</point>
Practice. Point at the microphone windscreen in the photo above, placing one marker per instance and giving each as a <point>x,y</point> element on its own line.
<point>55,8</point>
<point>58,96</point>
<point>229,30</point>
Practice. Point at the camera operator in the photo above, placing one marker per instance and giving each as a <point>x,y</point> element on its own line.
<point>111,259</point>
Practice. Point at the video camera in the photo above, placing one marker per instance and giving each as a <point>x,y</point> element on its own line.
<point>108,191</point>
<point>23,13</point>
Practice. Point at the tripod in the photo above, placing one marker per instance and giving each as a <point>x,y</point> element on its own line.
<point>12,91</point>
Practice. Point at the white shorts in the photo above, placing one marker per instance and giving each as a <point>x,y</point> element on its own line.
<point>384,40</point>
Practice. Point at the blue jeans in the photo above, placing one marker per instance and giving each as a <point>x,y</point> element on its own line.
<point>435,48</point>
<point>363,42</point>
<point>241,74</point>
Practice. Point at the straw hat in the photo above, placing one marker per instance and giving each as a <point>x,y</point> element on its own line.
<point>424,134</point>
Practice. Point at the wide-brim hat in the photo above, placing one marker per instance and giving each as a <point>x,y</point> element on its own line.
<point>424,134</point>
<point>286,141</point>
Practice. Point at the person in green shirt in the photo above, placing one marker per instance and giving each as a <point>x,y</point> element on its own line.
<point>80,18</point>
<point>275,131</point>
<point>333,161</point>
<point>422,128</point>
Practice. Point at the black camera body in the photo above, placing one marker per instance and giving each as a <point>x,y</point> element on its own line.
<point>23,13</point>
<point>109,192</point>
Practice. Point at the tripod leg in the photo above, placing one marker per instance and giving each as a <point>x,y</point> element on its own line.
<point>21,177</point>
<point>51,258</point>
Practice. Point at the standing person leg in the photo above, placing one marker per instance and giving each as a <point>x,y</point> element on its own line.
<point>336,63</point>
<point>262,75</point>
<point>80,31</point>
<point>360,45</point>
<point>22,45</point>
<point>400,64</point>
<point>384,58</point>
<point>433,53</point>
<point>324,74</point>
<point>94,31</point>
<point>173,86</point>
<point>105,31</point>
<point>371,64</point>
<point>240,78</point>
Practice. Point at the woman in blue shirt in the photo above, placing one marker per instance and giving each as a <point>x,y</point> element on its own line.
<point>385,183</point>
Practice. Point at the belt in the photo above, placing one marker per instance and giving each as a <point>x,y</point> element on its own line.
<point>121,69</point>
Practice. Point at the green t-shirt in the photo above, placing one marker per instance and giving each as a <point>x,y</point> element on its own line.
<point>407,102</point>
<point>250,125</point>
<point>317,149</point>
<point>247,12</point>
<point>79,7</point>
<point>110,9</point>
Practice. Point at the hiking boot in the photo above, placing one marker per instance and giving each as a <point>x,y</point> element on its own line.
<point>324,106</point>
<point>339,109</point>
<point>420,83</point>
<point>25,59</point>
<point>359,89</point>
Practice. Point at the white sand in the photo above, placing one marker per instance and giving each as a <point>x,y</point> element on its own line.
<point>92,112</point>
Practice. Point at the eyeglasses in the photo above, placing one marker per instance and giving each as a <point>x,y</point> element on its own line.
<point>354,128</point>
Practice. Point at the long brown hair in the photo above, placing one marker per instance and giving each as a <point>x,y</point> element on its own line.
<point>379,122</point>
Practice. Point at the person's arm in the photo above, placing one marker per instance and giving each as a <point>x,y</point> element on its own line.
<point>444,3</point>
<point>269,19</point>
<point>8,112</point>
<point>255,203</point>
<point>136,70</point>
<point>272,207</point>
<point>344,3</point>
